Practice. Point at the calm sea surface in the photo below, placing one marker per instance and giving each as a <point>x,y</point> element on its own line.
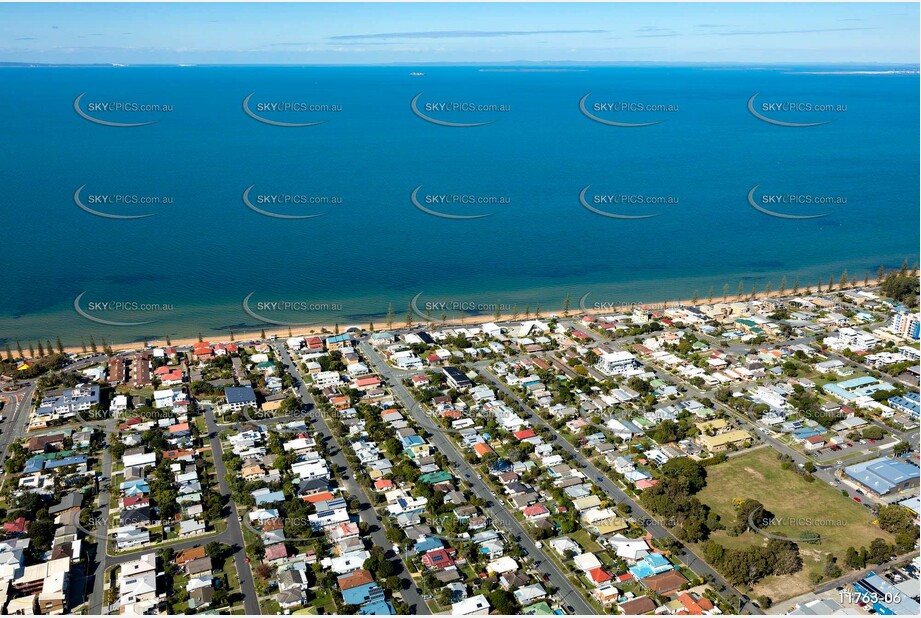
<point>204,251</point>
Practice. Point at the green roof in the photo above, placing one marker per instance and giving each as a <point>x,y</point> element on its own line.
<point>435,477</point>
<point>538,609</point>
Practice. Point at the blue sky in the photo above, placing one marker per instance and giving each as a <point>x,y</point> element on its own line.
<point>762,33</point>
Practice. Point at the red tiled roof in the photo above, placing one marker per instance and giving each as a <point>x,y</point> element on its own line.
<point>276,551</point>
<point>355,578</point>
<point>17,526</point>
<point>481,448</point>
<point>599,575</point>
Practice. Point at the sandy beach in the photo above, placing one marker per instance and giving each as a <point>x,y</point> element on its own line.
<point>400,321</point>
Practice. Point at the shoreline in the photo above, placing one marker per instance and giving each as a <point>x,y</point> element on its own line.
<point>327,330</point>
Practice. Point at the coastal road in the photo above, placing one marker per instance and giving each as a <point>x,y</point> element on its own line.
<point>16,411</point>
<point>497,512</point>
<point>367,514</point>
<point>649,523</point>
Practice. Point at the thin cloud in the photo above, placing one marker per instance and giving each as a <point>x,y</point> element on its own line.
<point>811,31</point>
<point>458,34</point>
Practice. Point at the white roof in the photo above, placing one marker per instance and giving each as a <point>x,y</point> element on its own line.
<point>473,605</point>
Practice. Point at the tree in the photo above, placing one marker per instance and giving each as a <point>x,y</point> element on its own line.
<point>566,302</point>
<point>409,315</point>
<point>740,291</point>
<point>783,284</point>
<point>725,292</point>
<point>879,551</point>
<point>389,316</point>
<point>831,283</point>
<point>215,551</point>
<point>9,352</point>
<point>41,350</point>
<point>842,282</point>
<point>60,346</point>
<point>503,602</point>
<point>710,297</point>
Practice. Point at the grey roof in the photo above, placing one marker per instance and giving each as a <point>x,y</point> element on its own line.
<point>73,500</point>
<point>240,394</point>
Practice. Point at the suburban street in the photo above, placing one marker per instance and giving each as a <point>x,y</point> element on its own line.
<point>695,562</point>
<point>367,514</point>
<point>497,512</point>
<point>234,533</point>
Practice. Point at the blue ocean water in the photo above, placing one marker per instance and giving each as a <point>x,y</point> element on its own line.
<point>204,252</point>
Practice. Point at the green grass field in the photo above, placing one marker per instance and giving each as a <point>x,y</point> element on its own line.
<point>797,505</point>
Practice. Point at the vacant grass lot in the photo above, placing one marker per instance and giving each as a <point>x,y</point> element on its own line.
<point>797,505</point>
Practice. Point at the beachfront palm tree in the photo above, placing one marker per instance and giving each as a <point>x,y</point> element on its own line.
<point>60,346</point>
<point>710,296</point>
<point>783,284</point>
<point>904,268</point>
<point>866,278</point>
<point>409,315</point>
<point>262,334</point>
<point>754,292</point>
<point>566,305</point>
<point>831,282</point>
<point>842,282</point>
<point>9,353</point>
<point>231,335</point>
<point>335,331</point>
<point>168,341</point>
<point>49,347</point>
<point>881,273</point>
<point>725,292</point>
<point>796,285</point>
<point>389,316</point>
<point>31,350</point>
<point>290,335</point>
<point>515,312</point>
<point>767,288</point>
<point>498,313</point>
<point>41,350</point>
<point>695,297</point>
<point>444,318</point>
<point>93,344</point>
<point>537,311</point>
<point>200,338</point>
<point>819,287</point>
<point>19,349</point>
<point>527,311</point>
<point>740,291</point>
